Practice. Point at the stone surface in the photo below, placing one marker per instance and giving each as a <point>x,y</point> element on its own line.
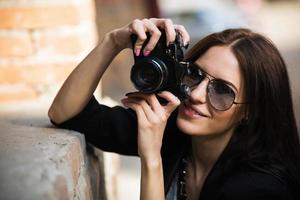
<point>42,163</point>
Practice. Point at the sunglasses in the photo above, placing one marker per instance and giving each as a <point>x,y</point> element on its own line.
<point>220,94</point>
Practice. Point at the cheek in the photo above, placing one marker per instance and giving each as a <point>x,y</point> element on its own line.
<point>219,123</point>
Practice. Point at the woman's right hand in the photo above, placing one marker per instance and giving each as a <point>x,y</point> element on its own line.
<point>121,37</point>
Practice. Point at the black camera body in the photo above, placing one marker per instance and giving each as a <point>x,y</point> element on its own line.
<point>162,69</point>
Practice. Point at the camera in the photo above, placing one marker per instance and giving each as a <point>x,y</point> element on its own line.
<point>162,69</point>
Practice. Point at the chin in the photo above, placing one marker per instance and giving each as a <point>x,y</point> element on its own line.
<point>190,127</point>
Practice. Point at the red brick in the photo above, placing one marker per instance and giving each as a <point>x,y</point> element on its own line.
<point>60,42</point>
<point>17,93</point>
<point>35,74</point>
<point>15,45</point>
<point>39,16</point>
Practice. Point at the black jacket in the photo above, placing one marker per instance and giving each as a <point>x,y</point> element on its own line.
<point>115,130</point>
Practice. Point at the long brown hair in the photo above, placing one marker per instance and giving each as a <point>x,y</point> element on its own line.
<point>269,139</point>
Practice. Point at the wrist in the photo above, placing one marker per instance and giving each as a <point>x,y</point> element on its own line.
<point>151,162</point>
<point>109,43</point>
<point>110,39</point>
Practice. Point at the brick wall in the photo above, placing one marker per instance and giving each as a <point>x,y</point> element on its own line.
<point>41,41</point>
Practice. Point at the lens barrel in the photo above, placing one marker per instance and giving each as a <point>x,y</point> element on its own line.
<point>149,75</point>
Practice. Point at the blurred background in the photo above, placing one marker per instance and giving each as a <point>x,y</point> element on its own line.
<point>37,52</point>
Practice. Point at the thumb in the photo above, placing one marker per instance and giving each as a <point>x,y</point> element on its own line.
<point>173,101</point>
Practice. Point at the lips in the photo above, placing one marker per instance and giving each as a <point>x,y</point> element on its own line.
<point>193,112</point>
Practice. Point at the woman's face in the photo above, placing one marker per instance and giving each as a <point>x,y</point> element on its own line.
<point>197,116</point>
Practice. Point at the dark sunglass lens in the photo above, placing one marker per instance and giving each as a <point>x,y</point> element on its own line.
<point>221,96</point>
<point>194,76</point>
<point>190,81</point>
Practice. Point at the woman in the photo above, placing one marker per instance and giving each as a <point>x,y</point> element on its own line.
<point>235,137</point>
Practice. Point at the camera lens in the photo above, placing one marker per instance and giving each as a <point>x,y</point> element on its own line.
<point>149,75</point>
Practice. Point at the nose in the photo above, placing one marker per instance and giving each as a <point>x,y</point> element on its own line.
<point>199,93</point>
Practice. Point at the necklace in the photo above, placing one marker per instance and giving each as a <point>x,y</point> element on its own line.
<point>181,184</point>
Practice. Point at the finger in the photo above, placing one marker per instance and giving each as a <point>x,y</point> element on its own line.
<point>149,113</point>
<point>143,103</point>
<point>173,101</point>
<point>155,104</point>
<point>151,100</point>
<point>141,117</point>
<point>168,26</point>
<point>155,35</point>
<point>137,27</point>
<point>183,32</point>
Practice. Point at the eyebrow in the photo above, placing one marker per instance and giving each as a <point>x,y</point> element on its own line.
<point>227,82</point>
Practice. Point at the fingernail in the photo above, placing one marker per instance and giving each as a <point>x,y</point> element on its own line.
<point>146,52</point>
<point>124,101</point>
<point>137,51</point>
<point>129,93</point>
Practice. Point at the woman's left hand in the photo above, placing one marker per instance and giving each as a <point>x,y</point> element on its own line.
<point>152,119</point>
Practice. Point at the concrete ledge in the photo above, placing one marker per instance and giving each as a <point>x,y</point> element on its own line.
<point>46,163</point>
